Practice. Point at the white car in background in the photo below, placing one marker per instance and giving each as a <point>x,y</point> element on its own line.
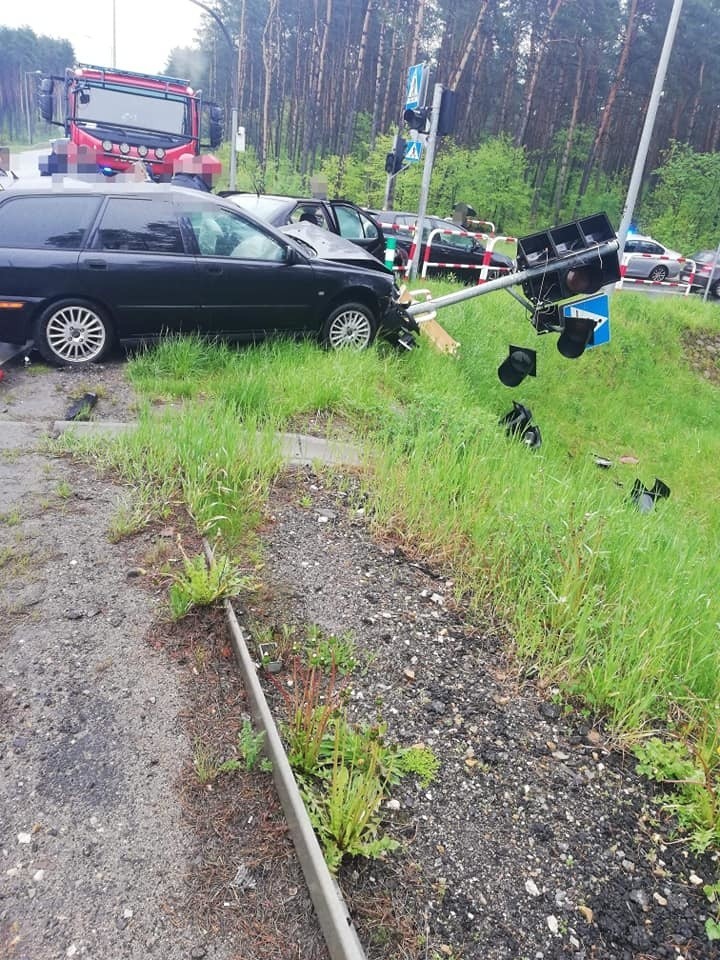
<point>651,260</point>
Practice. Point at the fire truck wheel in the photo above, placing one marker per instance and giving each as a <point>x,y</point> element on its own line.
<point>73,332</point>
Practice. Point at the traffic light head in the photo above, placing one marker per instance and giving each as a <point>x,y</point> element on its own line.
<point>394,160</point>
<point>570,258</point>
<point>417,119</point>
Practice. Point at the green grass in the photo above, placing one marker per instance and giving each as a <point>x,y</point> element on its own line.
<point>620,607</point>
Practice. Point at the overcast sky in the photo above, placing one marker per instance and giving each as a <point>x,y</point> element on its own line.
<point>145,30</point>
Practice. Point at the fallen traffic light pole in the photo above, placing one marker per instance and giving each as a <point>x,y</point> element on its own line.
<point>555,266</point>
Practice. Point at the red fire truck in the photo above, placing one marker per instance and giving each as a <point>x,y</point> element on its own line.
<point>114,119</point>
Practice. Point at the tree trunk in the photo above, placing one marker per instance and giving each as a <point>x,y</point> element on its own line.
<point>601,135</point>
<point>470,45</point>
<point>567,149</point>
<point>539,56</point>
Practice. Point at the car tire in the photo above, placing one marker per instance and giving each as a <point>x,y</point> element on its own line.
<point>715,289</point>
<point>73,332</point>
<point>350,325</point>
<point>658,274</point>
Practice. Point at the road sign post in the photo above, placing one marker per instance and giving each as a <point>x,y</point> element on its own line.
<point>415,93</point>
<point>427,174</point>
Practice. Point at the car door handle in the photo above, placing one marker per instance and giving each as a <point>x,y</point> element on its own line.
<point>97,264</point>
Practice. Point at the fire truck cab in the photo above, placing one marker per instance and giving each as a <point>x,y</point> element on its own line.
<point>115,119</point>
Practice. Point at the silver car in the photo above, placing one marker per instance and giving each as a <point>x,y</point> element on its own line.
<point>651,260</point>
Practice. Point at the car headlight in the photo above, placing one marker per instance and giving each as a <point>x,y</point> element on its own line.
<point>107,145</point>
<point>125,148</point>
<point>142,150</point>
<point>160,153</point>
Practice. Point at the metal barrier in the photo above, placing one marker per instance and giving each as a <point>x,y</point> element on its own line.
<point>483,268</point>
<point>672,284</point>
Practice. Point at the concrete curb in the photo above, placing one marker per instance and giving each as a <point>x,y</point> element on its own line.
<point>296,448</point>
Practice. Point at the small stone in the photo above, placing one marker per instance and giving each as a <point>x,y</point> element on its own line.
<point>409,674</point>
<point>640,898</point>
<point>24,838</point>
<point>586,912</point>
<point>552,922</point>
<point>659,899</point>
<point>551,711</point>
<point>532,888</point>
<point>127,913</point>
<point>197,953</point>
<point>695,880</point>
<point>393,804</point>
<point>38,876</point>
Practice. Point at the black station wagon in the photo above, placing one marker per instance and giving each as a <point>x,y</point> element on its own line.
<point>86,264</point>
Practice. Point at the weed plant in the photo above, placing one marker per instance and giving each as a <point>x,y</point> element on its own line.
<point>201,583</point>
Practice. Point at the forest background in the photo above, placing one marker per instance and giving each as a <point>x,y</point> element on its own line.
<point>551,96</point>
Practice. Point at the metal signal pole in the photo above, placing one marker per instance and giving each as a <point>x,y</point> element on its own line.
<point>427,174</point>
<point>647,131</point>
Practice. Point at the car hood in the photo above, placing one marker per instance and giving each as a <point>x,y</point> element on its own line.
<point>329,246</point>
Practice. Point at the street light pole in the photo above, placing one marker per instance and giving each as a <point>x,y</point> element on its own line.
<point>30,102</point>
<point>236,50</point>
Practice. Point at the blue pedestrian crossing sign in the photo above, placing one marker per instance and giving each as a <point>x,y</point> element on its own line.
<point>415,92</point>
<point>413,151</point>
<point>596,309</point>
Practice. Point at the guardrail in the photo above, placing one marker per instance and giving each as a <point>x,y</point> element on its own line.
<point>638,281</point>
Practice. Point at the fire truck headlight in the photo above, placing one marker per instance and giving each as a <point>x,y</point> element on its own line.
<point>160,153</point>
<point>142,150</point>
<point>124,148</point>
<point>107,145</point>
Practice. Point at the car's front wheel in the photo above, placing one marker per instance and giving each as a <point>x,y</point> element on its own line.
<point>350,325</point>
<point>715,289</point>
<point>659,274</point>
<point>74,332</point>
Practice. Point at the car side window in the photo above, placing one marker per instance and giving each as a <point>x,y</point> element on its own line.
<point>310,213</point>
<point>146,224</point>
<point>369,228</point>
<point>220,233</point>
<point>349,222</point>
<point>56,221</point>
<point>458,241</point>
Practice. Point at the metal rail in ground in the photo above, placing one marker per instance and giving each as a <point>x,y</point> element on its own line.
<point>333,915</point>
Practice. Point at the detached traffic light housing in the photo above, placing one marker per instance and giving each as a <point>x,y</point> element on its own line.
<point>520,362</point>
<point>417,119</point>
<point>570,254</point>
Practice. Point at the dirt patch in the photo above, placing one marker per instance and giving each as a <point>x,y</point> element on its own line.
<point>110,845</point>
<point>536,839</point>
<point>702,352</point>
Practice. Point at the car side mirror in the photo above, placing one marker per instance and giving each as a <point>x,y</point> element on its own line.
<point>46,100</point>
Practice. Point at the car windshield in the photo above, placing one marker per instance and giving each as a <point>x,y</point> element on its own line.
<point>264,207</point>
<point>705,256</point>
